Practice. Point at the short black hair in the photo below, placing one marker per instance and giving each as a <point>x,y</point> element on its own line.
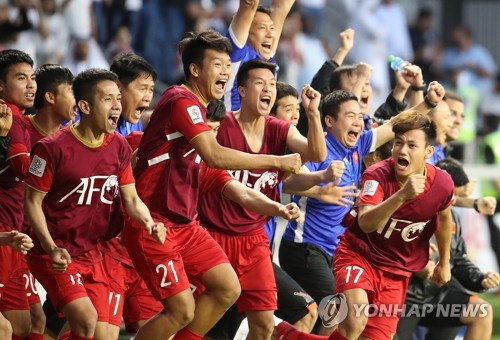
<point>331,103</point>
<point>193,46</point>
<point>336,76</point>
<point>129,66</point>
<point>283,90</point>
<point>86,81</point>
<point>263,9</point>
<point>216,111</point>
<point>48,78</point>
<point>12,57</point>
<point>414,120</point>
<point>455,169</point>
<point>252,64</point>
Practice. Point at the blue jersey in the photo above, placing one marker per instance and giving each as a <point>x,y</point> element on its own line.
<point>322,220</point>
<point>437,156</point>
<point>240,54</point>
<point>125,128</point>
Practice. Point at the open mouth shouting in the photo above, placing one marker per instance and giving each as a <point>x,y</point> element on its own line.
<point>353,135</point>
<point>402,163</point>
<point>113,119</point>
<point>265,102</point>
<point>220,85</point>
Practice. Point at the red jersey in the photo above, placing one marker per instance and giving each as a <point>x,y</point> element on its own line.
<point>221,214</point>
<point>35,134</point>
<point>168,167</point>
<point>12,173</point>
<point>81,183</point>
<point>402,245</point>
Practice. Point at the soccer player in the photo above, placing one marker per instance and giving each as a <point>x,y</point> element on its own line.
<point>172,149</point>
<point>254,32</point>
<point>403,200</point>
<point>476,313</point>
<point>17,91</point>
<point>129,296</point>
<point>311,244</point>
<point>239,232</point>
<point>55,104</point>
<point>77,201</point>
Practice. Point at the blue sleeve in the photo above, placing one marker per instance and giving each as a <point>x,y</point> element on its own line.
<point>239,49</point>
<point>365,143</point>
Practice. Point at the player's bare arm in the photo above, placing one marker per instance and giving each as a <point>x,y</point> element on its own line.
<point>279,12</point>
<point>346,39</point>
<point>33,209</point>
<point>485,205</point>
<point>257,202</point>
<point>442,273</point>
<point>242,20</point>
<point>373,217</point>
<point>139,212</point>
<point>219,157</point>
<point>305,179</point>
<point>313,147</point>
<point>18,241</point>
<point>435,93</point>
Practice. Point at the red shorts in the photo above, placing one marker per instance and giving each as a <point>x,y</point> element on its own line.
<point>353,271</point>
<point>116,276</point>
<point>187,250</point>
<point>250,256</point>
<point>79,280</point>
<point>29,282</point>
<point>139,302</point>
<point>12,282</point>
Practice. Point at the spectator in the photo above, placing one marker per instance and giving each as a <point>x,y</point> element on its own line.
<point>472,61</point>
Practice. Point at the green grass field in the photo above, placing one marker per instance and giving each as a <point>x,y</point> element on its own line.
<point>494,299</point>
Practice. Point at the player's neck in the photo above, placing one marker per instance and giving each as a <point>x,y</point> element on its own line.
<point>194,89</point>
<point>250,123</point>
<point>46,122</point>
<point>88,135</point>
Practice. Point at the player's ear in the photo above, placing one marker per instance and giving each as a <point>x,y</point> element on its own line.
<point>194,70</point>
<point>49,97</point>
<point>241,91</point>
<point>83,106</point>
<point>329,121</point>
<point>429,151</point>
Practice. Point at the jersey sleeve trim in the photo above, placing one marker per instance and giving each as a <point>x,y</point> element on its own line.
<point>373,147</point>
<point>36,189</point>
<point>233,38</point>
<point>18,154</point>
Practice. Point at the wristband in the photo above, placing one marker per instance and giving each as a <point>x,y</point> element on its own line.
<point>428,103</point>
<point>476,207</point>
<point>422,87</point>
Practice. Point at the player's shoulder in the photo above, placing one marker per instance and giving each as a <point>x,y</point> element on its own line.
<point>441,177</point>
<point>383,168</point>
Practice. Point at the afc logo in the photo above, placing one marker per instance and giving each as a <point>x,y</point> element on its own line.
<point>106,186</point>
<point>410,232</point>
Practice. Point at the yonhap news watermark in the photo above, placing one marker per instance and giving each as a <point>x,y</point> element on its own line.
<point>333,309</point>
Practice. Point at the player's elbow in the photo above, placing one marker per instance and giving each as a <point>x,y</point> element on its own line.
<point>365,224</point>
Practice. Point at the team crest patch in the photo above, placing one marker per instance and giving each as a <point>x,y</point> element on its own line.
<point>195,114</point>
<point>370,188</point>
<point>37,166</point>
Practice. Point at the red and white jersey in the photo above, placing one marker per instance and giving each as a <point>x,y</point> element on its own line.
<point>221,214</point>
<point>12,173</point>
<point>402,245</point>
<point>168,167</point>
<point>81,183</point>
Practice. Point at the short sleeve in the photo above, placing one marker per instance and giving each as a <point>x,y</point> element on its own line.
<point>19,138</point>
<point>187,118</point>
<point>372,192</point>
<point>367,142</point>
<point>125,176</point>
<point>213,180</point>
<point>41,171</point>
